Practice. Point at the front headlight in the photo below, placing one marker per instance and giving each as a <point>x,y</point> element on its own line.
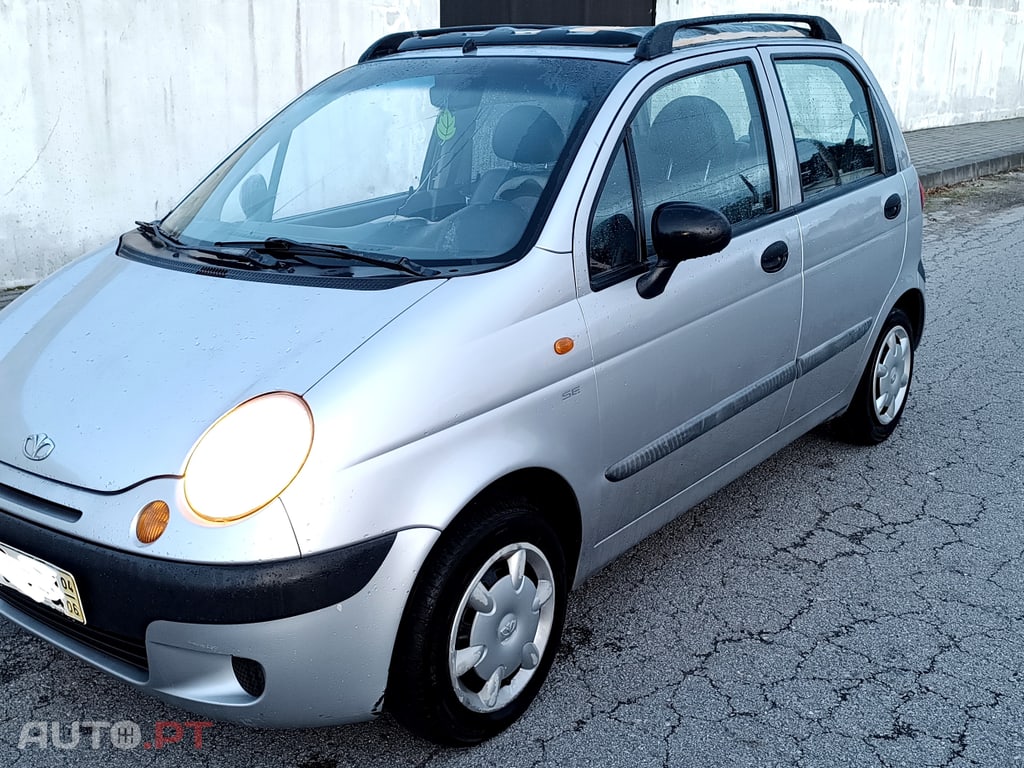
<point>248,457</point>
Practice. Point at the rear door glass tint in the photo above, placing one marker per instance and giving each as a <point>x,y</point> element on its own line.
<point>832,123</point>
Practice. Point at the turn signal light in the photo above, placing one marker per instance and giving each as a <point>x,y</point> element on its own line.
<point>152,521</point>
<point>563,345</point>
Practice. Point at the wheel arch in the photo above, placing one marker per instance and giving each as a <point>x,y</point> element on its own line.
<point>550,493</point>
<point>912,302</point>
<point>411,703</point>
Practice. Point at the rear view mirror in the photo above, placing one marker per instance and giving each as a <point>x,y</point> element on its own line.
<point>455,92</point>
<point>682,231</point>
<point>254,198</point>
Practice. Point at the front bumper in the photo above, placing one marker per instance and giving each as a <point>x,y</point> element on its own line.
<point>291,643</point>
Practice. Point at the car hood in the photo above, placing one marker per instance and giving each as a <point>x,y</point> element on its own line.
<point>123,365</point>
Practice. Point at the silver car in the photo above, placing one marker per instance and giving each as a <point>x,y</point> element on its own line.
<point>456,328</point>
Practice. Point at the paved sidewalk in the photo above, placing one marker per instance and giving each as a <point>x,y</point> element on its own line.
<point>6,296</point>
<point>957,153</point>
<point>943,156</point>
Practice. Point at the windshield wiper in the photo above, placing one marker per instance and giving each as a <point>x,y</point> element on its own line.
<point>283,245</point>
<point>152,231</point>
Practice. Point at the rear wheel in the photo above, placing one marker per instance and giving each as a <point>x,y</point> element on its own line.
<point>882,393</point>
<point>482,626</point>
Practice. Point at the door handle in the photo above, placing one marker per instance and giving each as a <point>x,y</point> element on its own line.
<point>893,206</point>
<point>775,257</point>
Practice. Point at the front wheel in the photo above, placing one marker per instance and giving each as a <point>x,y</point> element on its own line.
<point>881,396</point>
<point>482,626</point>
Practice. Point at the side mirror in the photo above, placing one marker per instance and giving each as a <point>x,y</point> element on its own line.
<point>682,231</point>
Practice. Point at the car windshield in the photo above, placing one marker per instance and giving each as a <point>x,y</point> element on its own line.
<point>439,160</point>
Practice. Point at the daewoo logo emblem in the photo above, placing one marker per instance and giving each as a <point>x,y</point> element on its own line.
<point>508,626</point>
<point>38,447</point>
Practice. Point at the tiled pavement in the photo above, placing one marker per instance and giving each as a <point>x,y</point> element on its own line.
<point>958,153</point>
<point>943,156</point>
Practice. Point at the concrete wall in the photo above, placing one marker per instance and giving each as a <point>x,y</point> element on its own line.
<point>940,62</point>
<point>111,110</point>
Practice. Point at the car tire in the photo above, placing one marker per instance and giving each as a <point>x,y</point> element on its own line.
<point>482,625</point>
<point>882,393</point>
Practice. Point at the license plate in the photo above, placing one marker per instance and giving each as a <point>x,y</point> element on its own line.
<point>40,581</point>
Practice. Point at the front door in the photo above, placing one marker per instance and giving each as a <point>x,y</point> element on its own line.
<point>692,378</point>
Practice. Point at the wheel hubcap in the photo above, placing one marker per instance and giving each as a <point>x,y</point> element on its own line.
<point>502,628</point>
<point>892,374</point>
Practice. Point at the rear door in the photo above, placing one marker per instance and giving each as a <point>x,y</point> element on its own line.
<point>853,214</point>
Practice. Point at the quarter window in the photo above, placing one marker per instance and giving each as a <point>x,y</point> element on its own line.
<point>613,246</point>
<point>832,123</point>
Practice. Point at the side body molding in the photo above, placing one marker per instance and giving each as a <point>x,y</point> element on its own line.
<point>734,404</point>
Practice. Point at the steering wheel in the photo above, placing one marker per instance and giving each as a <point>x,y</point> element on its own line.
<point>526,185</point>
<point>830,162</point>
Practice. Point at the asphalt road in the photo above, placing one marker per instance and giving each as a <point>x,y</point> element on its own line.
<point>837,606</point>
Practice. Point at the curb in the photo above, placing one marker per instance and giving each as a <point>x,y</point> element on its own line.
<point>6,297</point>
<point>976,169</point>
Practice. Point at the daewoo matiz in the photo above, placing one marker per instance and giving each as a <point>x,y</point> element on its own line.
<point>455,329</point>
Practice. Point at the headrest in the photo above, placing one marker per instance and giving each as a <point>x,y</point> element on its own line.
<point>527,134</point>
<point>694,123</point>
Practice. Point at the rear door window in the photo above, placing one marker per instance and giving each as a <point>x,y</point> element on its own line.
<point>833,127</point>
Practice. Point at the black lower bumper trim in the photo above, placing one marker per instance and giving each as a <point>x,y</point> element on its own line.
<point>130,650</point>
<point>122,593</point>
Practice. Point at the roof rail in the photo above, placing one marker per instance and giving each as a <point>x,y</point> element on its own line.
<point>390,44</point>
<point>650,42</point>
<point>658,42</point>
